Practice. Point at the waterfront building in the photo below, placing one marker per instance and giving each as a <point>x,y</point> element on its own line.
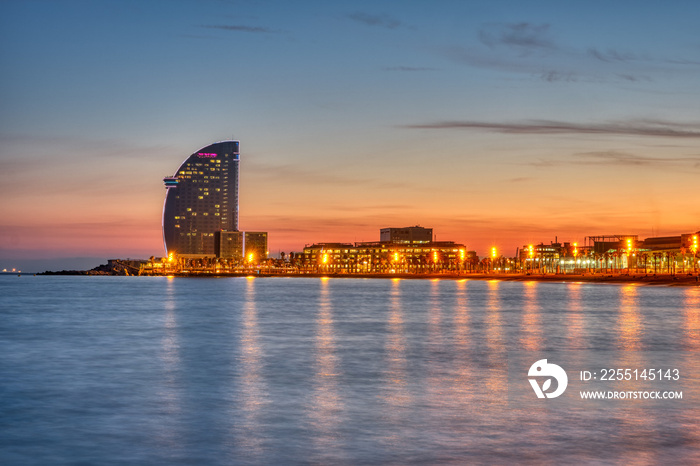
<point>229,244</point>
<point>201,199</point>
<point>400,250</point>
<point>416,234</point>
<point>255,246</point>
<point>386,257</point>
<point>614,253</point>
<point>200,215</point>
<point>239,245</point>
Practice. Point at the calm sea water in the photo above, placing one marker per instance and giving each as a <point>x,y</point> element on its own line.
<point>155,370</point>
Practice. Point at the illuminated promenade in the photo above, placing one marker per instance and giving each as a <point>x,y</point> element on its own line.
<point>618,258</point>
<point>674,279</point>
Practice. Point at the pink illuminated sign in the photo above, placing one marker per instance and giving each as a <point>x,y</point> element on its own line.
<point>206,155</point>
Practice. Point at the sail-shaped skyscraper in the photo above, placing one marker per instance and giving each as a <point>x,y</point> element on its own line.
<point>201,200</point>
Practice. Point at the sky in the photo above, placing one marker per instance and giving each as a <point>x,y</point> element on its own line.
<point>496,123</point>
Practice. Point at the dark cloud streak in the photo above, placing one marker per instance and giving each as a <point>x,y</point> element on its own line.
<point>517,35</point>
<point>408,68</point>
<point>240,28</point>
<point>382,20</point>
<point>626,159</point>
<point>630,128</point>
<point>611,55</point>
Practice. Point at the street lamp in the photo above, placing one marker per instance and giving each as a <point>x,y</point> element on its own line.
<point>694,249</point>
<point>629,254</point>
<point>494,254</point>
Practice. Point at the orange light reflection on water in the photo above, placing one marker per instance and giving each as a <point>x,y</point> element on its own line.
<point>531,322</point>
<point>497,378</point>
<point>576,318</point>
<point>691,318</point>
<point>635,426</point>
<point>463,382</point>
<point>397,397</point>
<point>691,330</point>
<point>253,391</point>
<point>327,405</point>
<point>629,320</point>
<point>170,357</point>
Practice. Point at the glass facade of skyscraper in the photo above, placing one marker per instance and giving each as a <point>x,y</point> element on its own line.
<point>202,199</point>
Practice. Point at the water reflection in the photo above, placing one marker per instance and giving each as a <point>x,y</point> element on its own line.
<point>436,337</point>
<point>629,320</point>
<point>494,323</point>
<point>253,391</point>
<point>635,427</point>
<point>396,350</point>
<point>691,327</point>
<point>463,380</point>
<point>496,381</point>
<point>397,396</point>
<point>326,405</point>
<point>576,319</point>
<point>531,323</point>
<point>169,393</point>
<point>691,318</point>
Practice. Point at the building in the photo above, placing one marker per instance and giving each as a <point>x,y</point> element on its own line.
<point>229,244</point>
<point>405,250</point>
<point>255,246</point>
<point>416,234</point>
<point>237,245</point>
<point>201,199</point>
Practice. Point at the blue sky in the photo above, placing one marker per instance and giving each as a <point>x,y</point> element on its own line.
<point>495,123</point>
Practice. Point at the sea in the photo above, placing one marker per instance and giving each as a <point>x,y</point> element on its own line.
<point>102,370</point>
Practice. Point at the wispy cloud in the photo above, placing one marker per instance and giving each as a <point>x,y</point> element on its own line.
<point>408,68</point>
<point>533,49</point>
<point>522,36</point>
<point>382,20</point>
<point>634,78</point>
<point>629,128</point>
<point>611,55</point>
<point>520,179</point>
<point>615,158</point>
<point>626,159</point>
<point>552,76</point>
<point>240,28</point>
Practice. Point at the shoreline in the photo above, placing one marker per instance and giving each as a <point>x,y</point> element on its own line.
<point>661,279</point>
<point>640,279</point>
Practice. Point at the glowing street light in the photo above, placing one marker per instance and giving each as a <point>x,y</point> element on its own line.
<point>629,253</point>
<point>694,249</point>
